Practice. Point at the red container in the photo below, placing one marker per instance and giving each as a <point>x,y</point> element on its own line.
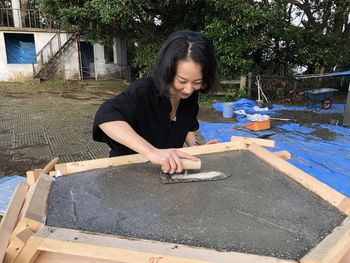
<point>258,125</point>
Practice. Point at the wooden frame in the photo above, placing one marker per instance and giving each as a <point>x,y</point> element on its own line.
<point>32,241</point>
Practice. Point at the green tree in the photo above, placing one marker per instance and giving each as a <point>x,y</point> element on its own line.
<point>245,35</point>
<point>249,35</point>
<point>144,23</point>
<point>324,40</point>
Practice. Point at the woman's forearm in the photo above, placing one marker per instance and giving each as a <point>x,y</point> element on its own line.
<point>169,159</point>
<point>123,133</point>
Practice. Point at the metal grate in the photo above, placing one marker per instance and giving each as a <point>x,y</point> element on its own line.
<point>30,139</point>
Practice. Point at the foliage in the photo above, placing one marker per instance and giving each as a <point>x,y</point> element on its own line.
<point>233,93</point>
<point>237,34</point>
<point>260,36</point>
<point>145,23</point>
<point>324,34</point>
<point>5,3</point>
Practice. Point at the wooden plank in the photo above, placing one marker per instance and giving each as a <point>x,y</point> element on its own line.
<point>16,245</point>
<point>77,243</point>
<point>346,258</point>
<point>324,191</point>
<point>30,251</point>
<point>32,176</point>
<point>26,201</point>
<point>50,166</point>
<point>247,140</point>
<point>285,155</point>
<point>9,220</point>
<point>75,167</point>
<point>223,93</point>
<point>214,148</point>
<point>236,81</point>
<point>34,214</point>
<point>333,248</point>
<point>52,257</point>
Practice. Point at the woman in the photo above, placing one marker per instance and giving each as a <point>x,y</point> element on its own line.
<point>157,114</point>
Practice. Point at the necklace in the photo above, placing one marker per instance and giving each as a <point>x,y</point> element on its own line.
<point>174,105</point>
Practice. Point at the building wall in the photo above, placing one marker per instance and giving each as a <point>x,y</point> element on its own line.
<point>112,70</point>
<point>12,71</point>
<point>104,70</point>
<point>67,67</point>
<point>19,72</point>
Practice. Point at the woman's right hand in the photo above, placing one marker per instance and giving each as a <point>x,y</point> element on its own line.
<point>169,159</point>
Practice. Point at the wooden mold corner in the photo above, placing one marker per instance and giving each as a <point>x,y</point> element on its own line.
<point>334,248</point>
<point>31,217</point>
<point>8,222</point>
<point>319,188</point>
<point>248,141</point>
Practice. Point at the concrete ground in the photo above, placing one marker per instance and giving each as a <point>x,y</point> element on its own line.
<point>39,122</point>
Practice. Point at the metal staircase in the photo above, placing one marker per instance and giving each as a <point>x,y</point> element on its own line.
<point>47,57</point>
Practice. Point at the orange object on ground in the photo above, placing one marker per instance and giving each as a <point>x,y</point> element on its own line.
<point>258,125</point>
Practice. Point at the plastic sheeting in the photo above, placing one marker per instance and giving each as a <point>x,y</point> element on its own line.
<point>326,160</point>
<point>8,185</point>
<point>20,48</point>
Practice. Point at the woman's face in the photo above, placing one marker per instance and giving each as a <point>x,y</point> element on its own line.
<point>188,78</point>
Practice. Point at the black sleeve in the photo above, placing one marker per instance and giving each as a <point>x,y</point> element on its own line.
<point>119,108</point>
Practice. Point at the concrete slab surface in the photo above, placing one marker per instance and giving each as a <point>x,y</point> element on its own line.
<point>257,210</point>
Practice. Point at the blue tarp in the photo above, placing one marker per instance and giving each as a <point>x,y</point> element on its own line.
<point>8,185</point>
<point>326,160</point>
<point>247,105</point>
<point>330,74</point>
<point>20,48</point>
<point>339,73</point>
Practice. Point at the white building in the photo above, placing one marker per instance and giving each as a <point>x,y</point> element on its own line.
<point>33,46</point>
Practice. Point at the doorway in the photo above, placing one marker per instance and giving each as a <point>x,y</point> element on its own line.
<point>87,60</point>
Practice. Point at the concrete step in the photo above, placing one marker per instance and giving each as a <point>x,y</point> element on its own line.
<point>103,83</point>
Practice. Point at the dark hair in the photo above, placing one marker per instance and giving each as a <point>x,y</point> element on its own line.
<point>182,45</point>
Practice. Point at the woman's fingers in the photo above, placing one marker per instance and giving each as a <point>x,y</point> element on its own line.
<point>213,141</point>
<point>170,159</point>
<point>173,164</point>
<point>165,167</point>
<point>184,155</point>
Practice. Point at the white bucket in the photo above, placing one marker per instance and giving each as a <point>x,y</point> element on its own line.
<point>227,109</point>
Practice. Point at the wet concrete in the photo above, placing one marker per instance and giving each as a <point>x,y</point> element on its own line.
<point>257,210</point>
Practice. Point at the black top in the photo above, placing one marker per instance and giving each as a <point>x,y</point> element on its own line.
<point>148,113</point>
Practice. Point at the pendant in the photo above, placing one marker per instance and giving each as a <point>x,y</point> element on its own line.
<point>173,118</point>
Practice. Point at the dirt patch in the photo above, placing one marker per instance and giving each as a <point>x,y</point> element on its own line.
<point>208,114</point>
<point>309,117</point>
<point>324,134</point>
<point>11,167</point>
<point>312,120</point>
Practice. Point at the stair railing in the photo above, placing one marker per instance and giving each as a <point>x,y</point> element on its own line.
<point>49,51</point>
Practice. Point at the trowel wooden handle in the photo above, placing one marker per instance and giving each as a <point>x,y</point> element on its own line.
<point>191,165</point>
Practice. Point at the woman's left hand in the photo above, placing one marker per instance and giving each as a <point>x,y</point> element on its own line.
<point>213,141</point>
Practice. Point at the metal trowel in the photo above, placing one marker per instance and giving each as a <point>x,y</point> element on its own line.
<point>189,176</point>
